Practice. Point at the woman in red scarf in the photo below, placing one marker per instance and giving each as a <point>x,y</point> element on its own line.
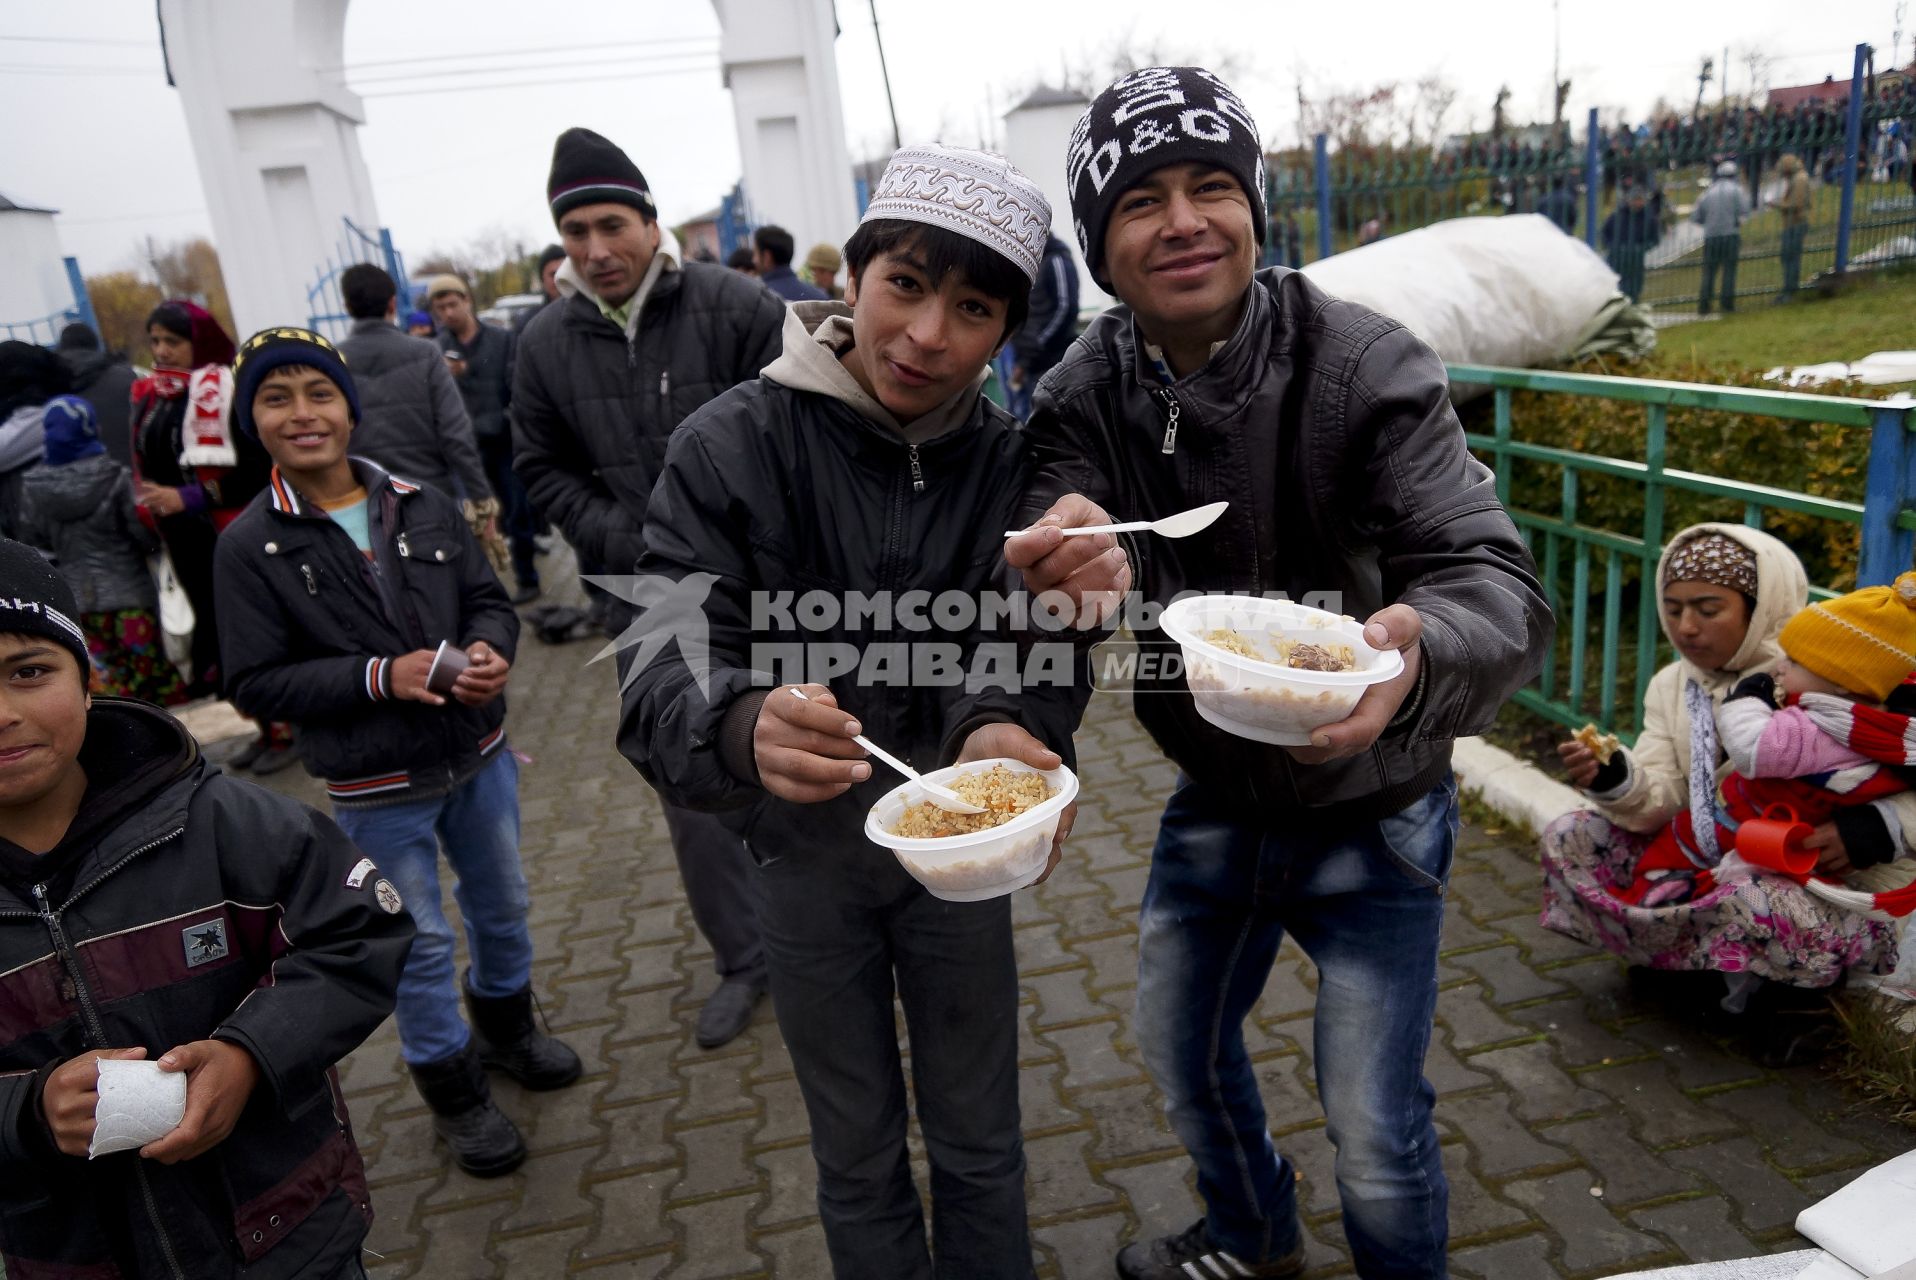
<point>194,473</point>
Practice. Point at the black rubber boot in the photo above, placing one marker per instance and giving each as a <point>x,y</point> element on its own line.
<point>484,1141</point>
<point>508,1039</point>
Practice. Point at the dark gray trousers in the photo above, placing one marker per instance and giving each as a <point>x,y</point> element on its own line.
<point>716,870</point>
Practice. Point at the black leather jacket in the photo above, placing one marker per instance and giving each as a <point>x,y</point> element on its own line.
<point>1329,429</point>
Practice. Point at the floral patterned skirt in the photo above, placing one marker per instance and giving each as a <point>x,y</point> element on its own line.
<point>1767,926</point>
<point>129,657</point>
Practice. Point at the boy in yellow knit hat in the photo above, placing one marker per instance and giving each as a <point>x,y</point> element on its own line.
<point>1833,745</point>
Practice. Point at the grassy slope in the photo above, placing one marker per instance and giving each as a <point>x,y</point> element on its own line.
<point>1878,316</point>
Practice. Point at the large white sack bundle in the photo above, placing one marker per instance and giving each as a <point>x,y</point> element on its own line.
<point>1510,290</point>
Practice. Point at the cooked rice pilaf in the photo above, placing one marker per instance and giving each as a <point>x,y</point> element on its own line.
<point>1002,793</point>
<point>1296,654</point>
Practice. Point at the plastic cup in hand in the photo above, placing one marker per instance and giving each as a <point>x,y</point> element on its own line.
<point>448,663</point>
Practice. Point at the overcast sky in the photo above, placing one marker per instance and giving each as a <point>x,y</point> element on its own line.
<point>95,132</point>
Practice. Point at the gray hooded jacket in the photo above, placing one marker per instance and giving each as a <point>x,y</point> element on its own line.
<point>83,513</point>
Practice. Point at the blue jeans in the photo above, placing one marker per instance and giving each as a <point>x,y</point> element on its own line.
<point>478,824</point>
<point>845,935</point>
<point>1366,904</point>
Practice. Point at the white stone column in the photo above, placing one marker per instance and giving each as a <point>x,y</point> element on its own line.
<point>779,63</point>
<point>274,129</point>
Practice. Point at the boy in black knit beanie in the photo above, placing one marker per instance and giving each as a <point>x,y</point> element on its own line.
<point>1328,429</point>
<point>169,920</point>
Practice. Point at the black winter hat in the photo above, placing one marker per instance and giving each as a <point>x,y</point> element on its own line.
<point>278,348</point>
<point>1147,120</point>
<point>36,601</point>
<point>589,169</point>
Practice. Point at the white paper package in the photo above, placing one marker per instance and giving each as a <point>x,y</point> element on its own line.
<point>138,1104</point>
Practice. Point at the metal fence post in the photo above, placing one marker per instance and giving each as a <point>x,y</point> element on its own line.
<point>82,302</point>
<point>1852,145</point>
<point>1322,148</point>
<point>1887,491</point>
<point>392,264</point>
<point>1592,160</point>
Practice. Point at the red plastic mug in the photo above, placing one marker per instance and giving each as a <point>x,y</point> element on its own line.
<point>1775,842</point>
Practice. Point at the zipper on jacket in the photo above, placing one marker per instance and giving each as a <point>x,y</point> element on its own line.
<point>312,583</point>
<point>1171,411</point>
<point>159,1224</point>
<point>665,393</point>
<point>917,472</point>
<point>97,1029</point>
<point>404,550</point>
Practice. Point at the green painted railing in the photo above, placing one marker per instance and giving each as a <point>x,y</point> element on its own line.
<point>1568,696</point>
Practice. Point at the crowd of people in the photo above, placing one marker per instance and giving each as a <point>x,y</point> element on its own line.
<point>342,519</point>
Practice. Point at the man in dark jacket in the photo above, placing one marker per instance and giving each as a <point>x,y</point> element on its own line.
<point>335,586</point>
<point>1559,204</point>
<point>480,357</point>
<point>1053,323</point>
<point>414,422</point>
<point>604,377</point>
<point>106,380</point>
<point>772,251</point>
<point>1628,235</point>
<point>154,908</point>
<point>551,258</point>
<point>866,458</point>
<point>1329,430</point>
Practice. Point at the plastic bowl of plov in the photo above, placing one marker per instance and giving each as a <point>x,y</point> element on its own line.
<point>979,864</point>
<point>1261,697</point>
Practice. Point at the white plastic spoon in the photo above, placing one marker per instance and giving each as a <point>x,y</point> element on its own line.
<point>1181,525</point>
<point>944,797</point>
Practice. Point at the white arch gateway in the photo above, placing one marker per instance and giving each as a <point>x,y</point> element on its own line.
<point>275,132</point>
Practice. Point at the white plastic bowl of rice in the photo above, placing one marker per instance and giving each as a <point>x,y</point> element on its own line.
<point>1272,670</point>
<point>971,857</point>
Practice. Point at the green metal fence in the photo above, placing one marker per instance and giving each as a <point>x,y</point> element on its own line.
<point>1572,690</point>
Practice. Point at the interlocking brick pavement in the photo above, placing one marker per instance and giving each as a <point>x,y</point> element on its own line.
<point>1583,1132</point>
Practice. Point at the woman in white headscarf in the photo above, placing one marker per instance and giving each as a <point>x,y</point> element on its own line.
<point>1725,592</point>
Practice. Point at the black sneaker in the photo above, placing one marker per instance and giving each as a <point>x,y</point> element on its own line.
<point>1194,1256</point>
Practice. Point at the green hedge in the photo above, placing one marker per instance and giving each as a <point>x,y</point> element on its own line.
<point>1818,459</point>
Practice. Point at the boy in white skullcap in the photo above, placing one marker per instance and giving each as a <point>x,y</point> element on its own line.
<point>866,471</point>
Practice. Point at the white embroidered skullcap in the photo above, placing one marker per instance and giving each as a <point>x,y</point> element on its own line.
<point>974,193</point>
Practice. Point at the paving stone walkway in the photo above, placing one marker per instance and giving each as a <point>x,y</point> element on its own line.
<point>1583,1134</point>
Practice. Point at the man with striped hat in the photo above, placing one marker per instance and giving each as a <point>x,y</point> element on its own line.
<point>359,607</point>
<point>639,339</point>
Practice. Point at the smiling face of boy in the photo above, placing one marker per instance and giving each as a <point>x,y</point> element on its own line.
<point>303,421</point>
<point>918,342</point>
<point>1180,248</point>
<point>43,709</point>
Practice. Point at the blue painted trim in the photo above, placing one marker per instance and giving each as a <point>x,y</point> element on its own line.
<point>1852,147</point>
<point>1322,149</point>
